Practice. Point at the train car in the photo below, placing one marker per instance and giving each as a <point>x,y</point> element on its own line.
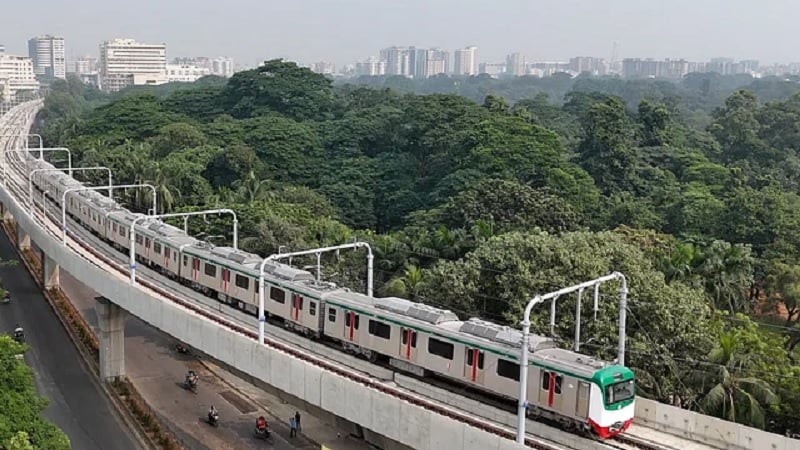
<point>306,304</point>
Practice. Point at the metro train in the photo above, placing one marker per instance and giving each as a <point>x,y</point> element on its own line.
<point>577,391</point>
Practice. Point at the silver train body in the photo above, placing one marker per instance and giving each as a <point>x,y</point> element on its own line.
<point>576,390</point>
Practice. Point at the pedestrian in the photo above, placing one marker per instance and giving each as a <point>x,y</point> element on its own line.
<point>297,420</point>
<point>292,427</point>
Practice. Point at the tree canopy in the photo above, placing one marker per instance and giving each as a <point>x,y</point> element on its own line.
<point>21,423</point>
<point>477,194</point>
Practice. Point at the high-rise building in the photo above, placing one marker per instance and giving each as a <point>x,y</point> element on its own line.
<point>371,67</point>
<point>222,66</point>
<point>48,56</point>
<point>84,65</point>
<point>492,69</point>
<point>16,77</point>
<point>465,61</point>
<point>515,65</point>
<point>397,61</point>
<point>323,67</point>
<point>437,62</point>
<point>125,62</point>
<point>186,73</point>
<point>588,64</point>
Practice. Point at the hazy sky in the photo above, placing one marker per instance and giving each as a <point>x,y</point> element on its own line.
<point>343,31</point>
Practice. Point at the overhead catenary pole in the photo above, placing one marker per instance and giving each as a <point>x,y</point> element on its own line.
<point>51,149</point>
<point>132,231</point>
<point>317,251</point>
<point>95,188</point>
<point>215,211</point>
<point>526,331</point>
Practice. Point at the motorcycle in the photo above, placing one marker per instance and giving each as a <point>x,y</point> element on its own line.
<point>6,299</point>
<point>19,337</point>
<point>261,433</point>
<point>213,419</point>
<point>182,349</point>
<point>190,385</point>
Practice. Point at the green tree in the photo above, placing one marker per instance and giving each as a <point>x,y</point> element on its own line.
<point>21,424</point>
<point>731,395</point>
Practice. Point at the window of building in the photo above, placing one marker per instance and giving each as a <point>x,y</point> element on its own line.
<point>211,270</point>
<point>508,369</point>
<point>242,281</point>
<point>440,348</point>
<point>379,329</point>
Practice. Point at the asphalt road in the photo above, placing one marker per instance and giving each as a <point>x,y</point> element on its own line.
<point>77,403</point>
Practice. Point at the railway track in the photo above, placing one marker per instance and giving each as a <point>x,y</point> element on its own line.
<point>159,285</point>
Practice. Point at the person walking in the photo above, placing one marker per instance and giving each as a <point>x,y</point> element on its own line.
<point>292,427</point>
<point>297,420</point>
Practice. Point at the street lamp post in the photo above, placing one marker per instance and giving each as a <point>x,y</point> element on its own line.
<point>94,188</point>
<point>317,252</point>
<point>526,331</point>
<point>166,216</point>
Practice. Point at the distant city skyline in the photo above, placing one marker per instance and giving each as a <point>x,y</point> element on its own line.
<point>344,32</point>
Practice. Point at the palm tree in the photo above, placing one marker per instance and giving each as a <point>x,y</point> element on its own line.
<point>250,188</point>
<point>167,193</point>
<point>732,397</point>
<point>408,285</point>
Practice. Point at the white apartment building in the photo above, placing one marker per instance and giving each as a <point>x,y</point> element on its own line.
<point>465,61</point>
<point>186,73</point>
<point>125,62</point>
<point>222,67</point>
<point>371,67</point>
<point>48,56</point>
<point>84,65</point>
<point>16,76</point>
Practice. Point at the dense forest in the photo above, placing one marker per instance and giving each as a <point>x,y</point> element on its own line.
<point>478,206</point>
<point>21,424</point>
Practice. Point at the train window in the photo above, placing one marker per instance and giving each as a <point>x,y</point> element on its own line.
<point>559,380</point>
<point>157,249</point>
<point>347,320</point>
<point>507,369</point>
<point>471,358</point>
<point>122,231</point>
<point>210,270</point>
<point>185,260</point>
<point>440,348</point>
<point>114,227</point>
<point>312,308</point>
<point>331,315</point>
<point>413,337</point>
<point>277,294</point>
<point>380,329</point>
<point>139,239</point>
<point>175,256</point>
<point>545,381</point>
<point>242,281</point>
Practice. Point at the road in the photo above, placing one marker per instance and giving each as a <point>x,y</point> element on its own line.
<point>156,370</point>
<point>78,404</point>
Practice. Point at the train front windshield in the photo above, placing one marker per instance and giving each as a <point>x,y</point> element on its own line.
<point>620,392</point>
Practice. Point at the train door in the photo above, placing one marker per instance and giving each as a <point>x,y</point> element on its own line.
<point>167,255</point>
<point>351,323</point>
<point>550,392</point>
<point>147,248</point>
<point>225,281</point>
<point>473,365</point>
<point>408,344</point>
<point>195,269</point>
<point>296,307</point>
<point>582,407</point>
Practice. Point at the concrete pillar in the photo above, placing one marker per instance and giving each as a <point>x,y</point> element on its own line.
<point>50,272</point>
<point>23,240</point>
<point>111,319</point>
